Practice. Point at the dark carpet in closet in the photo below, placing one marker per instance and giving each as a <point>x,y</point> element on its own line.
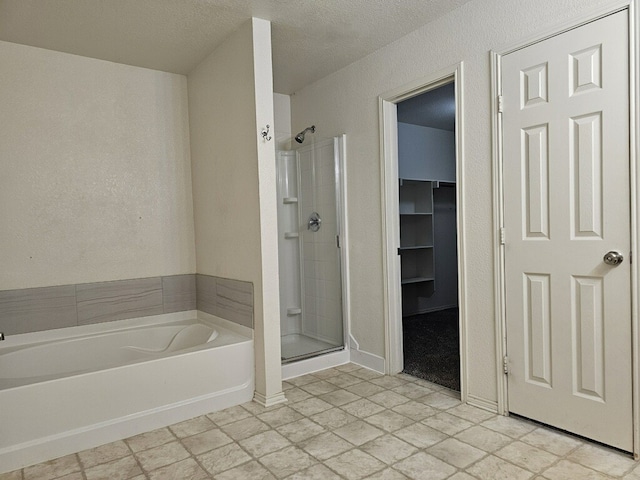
<point>432,347</point>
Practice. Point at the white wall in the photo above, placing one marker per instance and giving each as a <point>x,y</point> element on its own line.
<point>347,101</point>
<point>95,179</point>
<point>234,181</point>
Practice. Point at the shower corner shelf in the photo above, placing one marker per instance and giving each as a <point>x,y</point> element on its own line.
<point>294,311</point>
<point>287,200</point>
<point>291,234</point>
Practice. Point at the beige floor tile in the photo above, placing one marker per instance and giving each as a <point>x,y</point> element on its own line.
<point>447,423</point>
<point>339,397</point>
<point>551,441</point>
<point>511,427</point>
<point>296,394</point>
<point>420,435</point>
<point>355,464</point>
<point>470,413</point>
<point>317,472</point>
<point>287,461</point>
<point>415,410</point>
<point>304,379</point>
<point>348,367</point>
<point>192,427</point>
<point>388,449</point>
<point>422,466</point>
<point>388,399</point>
<point>389,381</point>
<point>157,457</point>
<point>255,408</point>
<point>389,421</point>
<point>300,430</point>
<point>358,432</point>
<point>483,438</point>
<point>326,373</point>
<point>286,386</point>
<point>527,456</point>
<point>463,476</point>
<point>365,373</point>
<point>104,453</point>
<point>264,443</point>
<point>223,458</point>
<point>311,406</point>
<point>602,459</point>
<point>205,441</point>
<point>15,475</point>
<point>333,418</point>
<point>566,470</point>
<point>279,417</point>
<point>365,389</point>
<point>185,469</point>
<point>413,391</point>
<point>439,400</point>
<point>151,439</point>
<point>229,415</point>
<point>244,428</point>
<point>53,468</point>
<point>72,476</point>
<point>122,469</point>
<point>494,468</point>
<point>388,474</point>
<point>633,475</point>
<point>362,408</point>
<point>325,445</point>
<point>457,453</point>
<point>344,380</point>
<point>248,471</point>
<point>318,388</point>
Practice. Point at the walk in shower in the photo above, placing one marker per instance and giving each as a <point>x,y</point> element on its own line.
<point>309,222</point>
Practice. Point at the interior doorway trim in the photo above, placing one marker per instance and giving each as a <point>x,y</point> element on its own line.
<point>634,181</point>
<point>392,297</point>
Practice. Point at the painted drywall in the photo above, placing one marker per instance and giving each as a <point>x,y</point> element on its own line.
<point>96,179</point>
<point>234,184</point>
<point>347,102</point>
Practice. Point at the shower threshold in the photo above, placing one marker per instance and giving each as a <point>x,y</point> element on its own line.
<point>297,347</point>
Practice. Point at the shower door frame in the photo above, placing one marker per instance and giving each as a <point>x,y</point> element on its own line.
<point>394,361</point>
<point>339,354</point>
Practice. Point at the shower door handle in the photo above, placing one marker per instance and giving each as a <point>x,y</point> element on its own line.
<point>314,222</point>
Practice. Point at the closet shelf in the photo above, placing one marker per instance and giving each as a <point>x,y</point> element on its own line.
<point>291,234</point>
<point>417,280</point>
<point>294,311</point>
<point>287,200</point>
<point>417,213</point>
<point>415,247</point>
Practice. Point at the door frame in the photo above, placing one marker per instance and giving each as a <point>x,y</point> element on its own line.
<point>634,181</point>
<point>392,297</point>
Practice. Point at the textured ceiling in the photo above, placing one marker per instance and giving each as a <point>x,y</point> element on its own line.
<point>311,38</point>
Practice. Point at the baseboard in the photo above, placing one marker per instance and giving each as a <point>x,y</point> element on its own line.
<point>365,359</point>
<point>489,405</point>
<point>54,446</point>
<point>270,401</point>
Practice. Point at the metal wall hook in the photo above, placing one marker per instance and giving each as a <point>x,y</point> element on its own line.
<point>265,133</point>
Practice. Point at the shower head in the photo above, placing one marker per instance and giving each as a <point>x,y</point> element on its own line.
<point>300,137</point>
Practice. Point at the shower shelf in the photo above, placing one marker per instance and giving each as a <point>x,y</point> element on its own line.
<point>287,200</point>
<point>291,234</point>
<point>294,311</point>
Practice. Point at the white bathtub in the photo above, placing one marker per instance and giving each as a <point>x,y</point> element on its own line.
<point>63,391</point>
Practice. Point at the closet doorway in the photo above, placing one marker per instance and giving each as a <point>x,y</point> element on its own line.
<point>428,236</point>
<point>425,315</point>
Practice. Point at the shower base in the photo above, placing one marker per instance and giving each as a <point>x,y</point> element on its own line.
<point>297,347</point>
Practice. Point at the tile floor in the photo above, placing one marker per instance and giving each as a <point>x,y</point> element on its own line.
<point>346,423</point>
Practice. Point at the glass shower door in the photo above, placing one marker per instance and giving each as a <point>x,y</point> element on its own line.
<point>314,325</point>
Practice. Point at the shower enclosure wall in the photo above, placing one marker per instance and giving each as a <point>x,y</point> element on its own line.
<point>309,219</point>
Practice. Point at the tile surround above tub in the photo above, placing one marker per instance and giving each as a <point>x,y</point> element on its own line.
<point>225,298</point>
<point>37,309</point>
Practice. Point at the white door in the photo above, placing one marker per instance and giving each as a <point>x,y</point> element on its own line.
<point>566,196</point>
